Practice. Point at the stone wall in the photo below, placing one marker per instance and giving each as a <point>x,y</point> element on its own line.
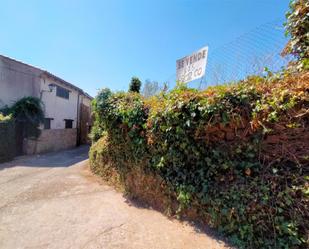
<point>51,140</point>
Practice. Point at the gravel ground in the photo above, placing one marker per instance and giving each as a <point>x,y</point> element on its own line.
<point>53,201</point>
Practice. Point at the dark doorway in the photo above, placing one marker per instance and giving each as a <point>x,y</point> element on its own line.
<point>19,136</point>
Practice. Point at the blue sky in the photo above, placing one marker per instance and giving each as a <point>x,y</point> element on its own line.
<point>95,44</point>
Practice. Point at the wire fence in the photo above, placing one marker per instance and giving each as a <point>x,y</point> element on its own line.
<point>247,55</point>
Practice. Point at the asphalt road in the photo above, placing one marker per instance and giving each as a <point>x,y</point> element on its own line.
<point>53,201</point>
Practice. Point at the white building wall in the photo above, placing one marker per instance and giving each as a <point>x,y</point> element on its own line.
<point>59,108</point>
<point>17,81</point>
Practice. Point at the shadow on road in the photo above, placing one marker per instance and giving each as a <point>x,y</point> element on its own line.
<point>65,158</point>
<point>197,226</point>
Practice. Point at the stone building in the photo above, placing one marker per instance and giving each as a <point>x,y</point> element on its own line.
<point>67,108</point>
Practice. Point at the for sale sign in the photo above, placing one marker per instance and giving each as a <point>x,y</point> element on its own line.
<point>192,67</point>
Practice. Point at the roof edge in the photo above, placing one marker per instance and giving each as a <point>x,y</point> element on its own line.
<point>66,83</point>
<point>50,75</point>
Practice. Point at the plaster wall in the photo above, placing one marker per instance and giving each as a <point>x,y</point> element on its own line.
<point>58,108</point>
<point>17,81</point>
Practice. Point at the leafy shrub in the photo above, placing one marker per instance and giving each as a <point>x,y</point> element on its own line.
<point>210,149</point>
<point>297,26</point>
<point>28,114</point>
<point>28,111</point>
<point>98,104</point>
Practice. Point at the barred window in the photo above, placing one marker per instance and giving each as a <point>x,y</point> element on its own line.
<point>68,123</point>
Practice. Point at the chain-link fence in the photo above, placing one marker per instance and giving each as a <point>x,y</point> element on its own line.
<point>248,55</point>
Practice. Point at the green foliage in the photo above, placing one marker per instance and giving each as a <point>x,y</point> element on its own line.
<point>297,26</point>
<point>29,112</point>
<point>4,118</point>
<point>123,115</point>
<point>99,103</point>
<point>208,149</point>
<point>135,85</point>
<point>28,109</point>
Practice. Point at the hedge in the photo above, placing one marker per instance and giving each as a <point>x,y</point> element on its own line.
<point>235,157</point>
<point>7,138</point>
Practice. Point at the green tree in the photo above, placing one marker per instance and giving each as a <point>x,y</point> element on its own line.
<point>135,85</point>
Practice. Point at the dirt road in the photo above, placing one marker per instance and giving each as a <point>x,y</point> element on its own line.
<point>53,201</point>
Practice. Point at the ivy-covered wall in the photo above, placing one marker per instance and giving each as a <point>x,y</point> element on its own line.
<point>7,139</point>
<point>235,157</point>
